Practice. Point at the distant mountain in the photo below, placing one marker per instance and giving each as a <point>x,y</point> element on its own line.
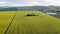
<point>23,8</point>
<point>40,8</point>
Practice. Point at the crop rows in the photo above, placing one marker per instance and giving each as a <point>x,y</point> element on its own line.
<point>5,18</point>
<point>22,24</point>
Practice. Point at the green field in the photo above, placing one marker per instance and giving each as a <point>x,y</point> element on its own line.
<point>16,22</point>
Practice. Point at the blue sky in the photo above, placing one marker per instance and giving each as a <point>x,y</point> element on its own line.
<point>29,2</point>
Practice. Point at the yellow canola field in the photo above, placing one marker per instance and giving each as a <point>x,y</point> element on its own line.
<point>22,24</point>
<point>5,18</point>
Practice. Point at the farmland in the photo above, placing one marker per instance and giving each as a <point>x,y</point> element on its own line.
<point>5,18</point>
<point>16,22</point>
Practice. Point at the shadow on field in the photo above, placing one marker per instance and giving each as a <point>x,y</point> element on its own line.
<point>31,15</point>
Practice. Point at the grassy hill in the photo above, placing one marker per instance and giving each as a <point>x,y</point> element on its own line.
<point>18,23</point>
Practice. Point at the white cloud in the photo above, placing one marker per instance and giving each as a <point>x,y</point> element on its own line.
<point>31,3</point>
<point>34,3</point>
<point>52,2</point>
<point>4,3</point>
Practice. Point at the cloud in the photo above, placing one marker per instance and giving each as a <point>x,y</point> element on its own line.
<point>4,3</point>
<point>52,2</point>
<point>34,3</point>
<point>30,3</point>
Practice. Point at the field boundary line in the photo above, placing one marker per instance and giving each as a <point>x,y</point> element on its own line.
<point>10,23</point>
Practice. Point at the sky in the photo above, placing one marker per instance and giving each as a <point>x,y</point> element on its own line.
<point>29,2</point>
